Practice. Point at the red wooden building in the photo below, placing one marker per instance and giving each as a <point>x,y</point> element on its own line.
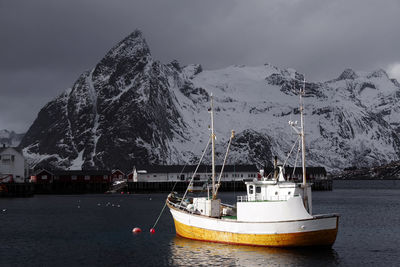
<point>42,176</point>
<point>81,176</point>
<point>117,175</point>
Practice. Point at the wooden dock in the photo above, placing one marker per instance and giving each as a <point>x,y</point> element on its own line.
<point>16,190</point>
<point>72,188</point>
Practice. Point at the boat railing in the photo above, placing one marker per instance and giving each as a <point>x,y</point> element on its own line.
<point>262,198</point>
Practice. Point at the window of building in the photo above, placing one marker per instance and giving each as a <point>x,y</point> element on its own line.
<point>182,177</point>
<point>154,175</point>
<point>105,177</point>
<point>251,189</point>
<point>120,176</point>
<point>44,177</point>
<point>6,159</point>
<point>258,189</point>
<point>87,177</point>
<point>73,177</point>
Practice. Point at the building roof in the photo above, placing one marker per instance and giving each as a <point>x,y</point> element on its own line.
<point>117,170</point>
<point>192,168</point>
<point>299,170</point>
<point>80,172</point>
<point>37,172</point>
<point>17,149</point>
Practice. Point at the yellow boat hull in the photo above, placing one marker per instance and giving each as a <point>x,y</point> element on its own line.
<point>313,238</point>
<point>318,231</point>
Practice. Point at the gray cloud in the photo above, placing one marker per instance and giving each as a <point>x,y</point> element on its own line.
<point>46,44</point>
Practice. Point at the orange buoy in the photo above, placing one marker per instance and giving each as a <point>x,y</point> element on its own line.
<point>152,231</point>
<point>136,230</point>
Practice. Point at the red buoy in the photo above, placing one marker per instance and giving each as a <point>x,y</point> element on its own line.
<point>152,231</point>
<point>122,192</point>
<point>136,230</point>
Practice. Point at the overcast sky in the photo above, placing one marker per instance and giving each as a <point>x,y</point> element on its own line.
<point>46,44</point>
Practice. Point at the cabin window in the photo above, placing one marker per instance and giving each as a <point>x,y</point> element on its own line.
<point>251,189</point>
<point>182,177</point>
<point>258,189</point>
<point>197,177</point>
<point>154,175</point>
<point>241,175</point>
<point>276,193</point>
<point>120,176</point>
<point>105,177</point>
<point>44,177</point>
<point>87,177</point>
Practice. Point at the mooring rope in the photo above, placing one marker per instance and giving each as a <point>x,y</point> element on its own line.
<point>186,163</point>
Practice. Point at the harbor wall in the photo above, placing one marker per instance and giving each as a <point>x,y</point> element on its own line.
<point>29,189</point>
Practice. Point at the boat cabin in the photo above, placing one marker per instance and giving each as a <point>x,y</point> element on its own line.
<point>274,199</point>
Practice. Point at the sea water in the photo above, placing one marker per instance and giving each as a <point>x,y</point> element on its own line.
<point>96,230</point>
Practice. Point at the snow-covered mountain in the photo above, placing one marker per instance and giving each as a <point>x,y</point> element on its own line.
<point>131,109</point>
<point>10,138</point>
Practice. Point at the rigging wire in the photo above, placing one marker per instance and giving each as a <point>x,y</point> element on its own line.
<point>194,173</point>
<point>295,161</point>
<point>223,165</point>
<point>291,150</point>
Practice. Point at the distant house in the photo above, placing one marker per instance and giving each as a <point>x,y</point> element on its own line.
<point>13,166</point>
<point>163,173</point>
<point>132,176</point>
<point>42,176</point>
<point>117,175</point>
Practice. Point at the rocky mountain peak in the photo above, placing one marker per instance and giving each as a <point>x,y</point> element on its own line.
<point>131,46</point>
<point>131,52</point>
<point>378,74</point>
<point>348,74</point>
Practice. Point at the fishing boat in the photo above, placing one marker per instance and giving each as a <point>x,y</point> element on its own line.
<point>274,212</point>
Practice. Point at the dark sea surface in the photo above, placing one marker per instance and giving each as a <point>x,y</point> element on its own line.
<point>96,230</point>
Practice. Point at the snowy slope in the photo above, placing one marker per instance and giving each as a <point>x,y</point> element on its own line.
<point>132,109</point>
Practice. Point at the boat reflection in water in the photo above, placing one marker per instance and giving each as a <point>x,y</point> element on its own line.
<point>186,252</point>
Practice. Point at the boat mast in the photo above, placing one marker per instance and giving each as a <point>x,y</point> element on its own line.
<point>213,147</point>
<point>303,140</point>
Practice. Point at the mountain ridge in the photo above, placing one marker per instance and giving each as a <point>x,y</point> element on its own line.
<point>131,109</point>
